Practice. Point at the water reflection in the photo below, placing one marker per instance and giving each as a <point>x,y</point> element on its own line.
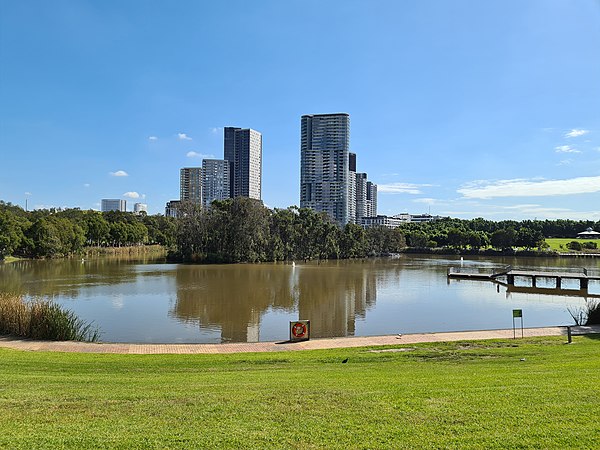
<point>235,298</point>
<point>144,301</point>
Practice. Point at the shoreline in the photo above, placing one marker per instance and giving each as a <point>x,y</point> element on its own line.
<point>313,344</point>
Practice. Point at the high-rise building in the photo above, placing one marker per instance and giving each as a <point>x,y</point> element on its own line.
<point>243,149</point>
<point>352,162</point>
<point>324,165</point>
<point>352,188</point>
<point>190,184</point>
<point>215,181</point>
<point>110,204</point>
<point>371,199</point>
<point>361,196</point>
<point>366,197</point>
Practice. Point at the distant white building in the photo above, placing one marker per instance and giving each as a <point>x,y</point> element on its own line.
<point>380,221</point>
<point>588,234</point>
<point>139,207</point>
<point>397,220</point>
<point>110,204</point>
<point>424,218</point>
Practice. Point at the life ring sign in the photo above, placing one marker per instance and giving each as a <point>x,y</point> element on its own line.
<point>300,330</point>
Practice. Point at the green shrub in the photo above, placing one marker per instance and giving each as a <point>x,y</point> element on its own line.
<point>593,313</point>
<point>590,245</point>
<point>574,245</point>
<point>42,319</point>
<point>587,315</point>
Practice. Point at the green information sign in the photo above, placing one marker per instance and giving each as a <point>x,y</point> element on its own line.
<point>517,313</point>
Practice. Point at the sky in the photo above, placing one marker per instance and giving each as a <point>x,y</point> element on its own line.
<point>458,108</point>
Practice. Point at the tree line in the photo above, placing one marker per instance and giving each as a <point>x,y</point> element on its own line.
<point>501,235</point>
<point>49,233</point>
<point>244,230</point>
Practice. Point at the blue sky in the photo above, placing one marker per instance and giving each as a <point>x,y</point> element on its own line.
<point>461,108</point>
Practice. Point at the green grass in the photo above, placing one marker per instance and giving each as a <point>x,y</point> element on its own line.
<point>555,243</point>
<point>455,395</point>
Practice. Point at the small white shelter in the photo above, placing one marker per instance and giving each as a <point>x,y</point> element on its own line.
<point>588,234</point>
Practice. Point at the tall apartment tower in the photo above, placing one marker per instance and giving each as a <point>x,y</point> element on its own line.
<point>215,181</point>
<point>366,197</point>
<point>361,196</point>
<point>190,184</point>
<point>243,149</point>
<point>352,188</point>
<point>324,165</point>
<point>371,199</point>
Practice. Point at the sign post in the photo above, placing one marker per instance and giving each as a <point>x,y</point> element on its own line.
<point>517,314</point>
<point>299,330</point>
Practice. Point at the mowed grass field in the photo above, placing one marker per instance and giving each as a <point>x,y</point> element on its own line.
<point>533,393</point>
<point>555,243</point>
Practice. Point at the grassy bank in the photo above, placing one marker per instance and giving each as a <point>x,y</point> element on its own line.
<point>537,393</point>
<point>9,259</point>
<point>560,244</point>
<point>135,250</point>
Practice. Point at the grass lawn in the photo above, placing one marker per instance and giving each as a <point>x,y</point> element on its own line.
<point>454,395</point>
<point>555,243</point>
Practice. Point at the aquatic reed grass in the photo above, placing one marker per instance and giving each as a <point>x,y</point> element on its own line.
<point>42,319</point>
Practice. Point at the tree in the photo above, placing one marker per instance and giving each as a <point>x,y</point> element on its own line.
<point>457,238</point>
<point>503,239</point>
<point>529,238</point>
<point>98,228</point>
<point>11,233</point>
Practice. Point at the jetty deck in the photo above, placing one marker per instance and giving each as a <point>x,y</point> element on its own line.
<point>510,274</point>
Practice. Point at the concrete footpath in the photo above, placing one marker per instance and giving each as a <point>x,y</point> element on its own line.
<point>313,344</point>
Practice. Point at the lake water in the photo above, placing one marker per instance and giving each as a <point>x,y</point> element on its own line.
<point>144,301</point>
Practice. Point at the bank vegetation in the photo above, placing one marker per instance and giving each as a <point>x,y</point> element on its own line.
<point>244,230</point>
<point>42,319</point>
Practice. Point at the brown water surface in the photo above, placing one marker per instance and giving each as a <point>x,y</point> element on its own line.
<point>146,301</point>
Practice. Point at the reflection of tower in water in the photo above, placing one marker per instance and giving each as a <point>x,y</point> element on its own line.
<point>333,295</point>
<point>231,298</point>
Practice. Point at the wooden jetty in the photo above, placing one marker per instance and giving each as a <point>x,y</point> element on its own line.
<point>510,274</point>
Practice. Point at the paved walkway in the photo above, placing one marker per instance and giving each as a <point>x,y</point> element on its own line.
<point>342,342</point>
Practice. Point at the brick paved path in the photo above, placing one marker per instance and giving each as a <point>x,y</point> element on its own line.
<point>342,342</point>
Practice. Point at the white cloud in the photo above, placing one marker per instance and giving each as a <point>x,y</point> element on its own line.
<point>152,138</point>
<point>193,154</point>
<point>425,200</point>
<point>119,173</point>
<point>87,185</point>
<point>530,188</point>
<point>566,149</point>
<point>131,195</point>
<point>183,137</point>
<point>401,188</point>
<point>576,132</point>
<point>28,193</point>
<point>564,162</point>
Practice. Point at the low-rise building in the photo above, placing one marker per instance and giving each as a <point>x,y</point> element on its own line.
<point>173,208</point>
<point>113,204</point>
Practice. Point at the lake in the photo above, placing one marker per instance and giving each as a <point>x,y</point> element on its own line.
<point>149,301</point>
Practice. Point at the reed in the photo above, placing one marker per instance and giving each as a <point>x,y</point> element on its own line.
<point>42,319</point>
